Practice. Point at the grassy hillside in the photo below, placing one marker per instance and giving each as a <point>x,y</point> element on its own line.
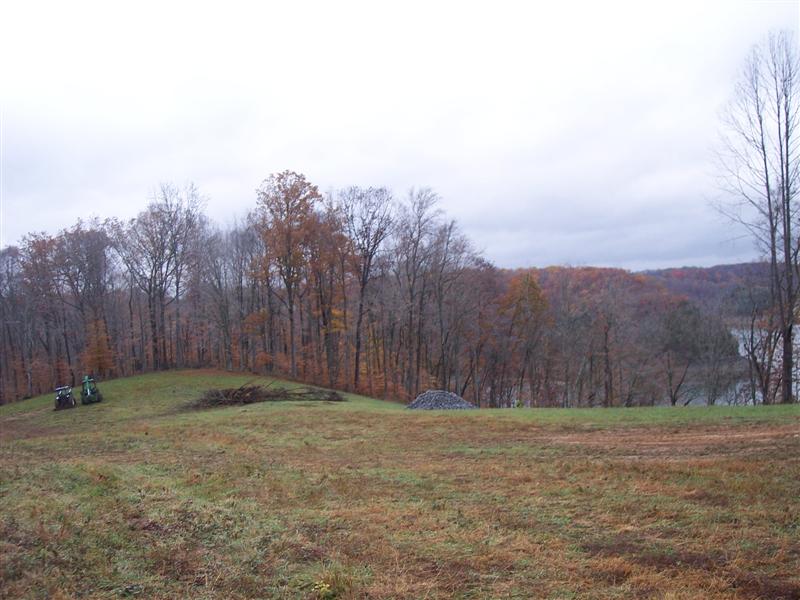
<point>137,497</point>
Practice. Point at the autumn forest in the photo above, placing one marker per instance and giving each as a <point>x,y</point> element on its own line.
<point>363,291</point>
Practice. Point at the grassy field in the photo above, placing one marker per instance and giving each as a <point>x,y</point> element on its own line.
<point>139,497</point>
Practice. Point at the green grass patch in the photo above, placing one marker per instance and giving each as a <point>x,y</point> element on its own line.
<point>137,497</point>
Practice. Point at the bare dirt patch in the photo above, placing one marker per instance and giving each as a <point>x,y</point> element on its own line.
<point>26,425</point>
<point>655,443</point>
<point>616,557</point>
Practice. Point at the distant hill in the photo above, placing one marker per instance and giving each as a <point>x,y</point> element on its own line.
<point>707,287</point>
<point>711,285</point>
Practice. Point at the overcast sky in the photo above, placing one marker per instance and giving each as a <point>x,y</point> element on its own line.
<point>560,133</point>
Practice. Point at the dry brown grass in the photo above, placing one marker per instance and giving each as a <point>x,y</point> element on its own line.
<point>357,500</point>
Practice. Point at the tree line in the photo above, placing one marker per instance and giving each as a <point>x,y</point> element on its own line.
<point>760,172</point>
<point>363,291</point>
<point>358,290</point>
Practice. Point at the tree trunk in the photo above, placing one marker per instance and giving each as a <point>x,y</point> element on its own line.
<point>608,400</point>
<point>786,379</point>
<point>359,321</point>
<point>292,356</point>
<point>178,341</point>
<point>151,309</point>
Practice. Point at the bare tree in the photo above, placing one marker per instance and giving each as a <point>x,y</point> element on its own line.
<point>679,332</point>
<point>417,224</point>
<point>759,340</point>
<point>367,220</point>
<point>760,166</point>
<point>452,257</point>
<point>14,328</point>
<point>187,219</point>
<point>155,248</point>
<point>217,271</point>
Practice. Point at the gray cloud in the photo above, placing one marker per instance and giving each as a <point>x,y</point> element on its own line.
<point>578,134</point>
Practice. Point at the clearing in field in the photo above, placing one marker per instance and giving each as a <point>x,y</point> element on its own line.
<point>139,497</point>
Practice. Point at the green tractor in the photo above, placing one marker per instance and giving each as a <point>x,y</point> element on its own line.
<point>89,392</point>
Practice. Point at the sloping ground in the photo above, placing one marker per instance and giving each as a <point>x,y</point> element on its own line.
<point>137,498</point>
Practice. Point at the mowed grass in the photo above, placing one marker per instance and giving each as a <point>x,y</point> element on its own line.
<point>138,497</point>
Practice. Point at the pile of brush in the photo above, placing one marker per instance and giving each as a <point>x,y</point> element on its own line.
<point>250,394</point>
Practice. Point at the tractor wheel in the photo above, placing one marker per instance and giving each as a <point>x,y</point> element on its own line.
<point>64,403</point>
<point>99,397</point>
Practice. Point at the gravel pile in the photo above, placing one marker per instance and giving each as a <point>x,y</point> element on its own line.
<point>439,400</point>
